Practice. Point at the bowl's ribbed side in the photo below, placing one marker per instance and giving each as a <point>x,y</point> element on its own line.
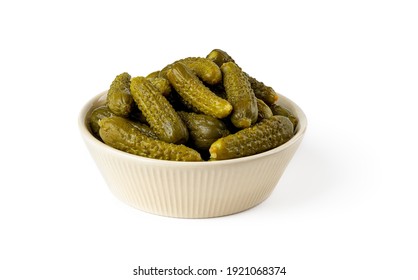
<point>187,192</point>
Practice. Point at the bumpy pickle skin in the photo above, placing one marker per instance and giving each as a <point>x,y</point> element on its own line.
<point>263,136</point>
<point>219,57</point>
<point>240,95</point>
<point>144,129</point>
<point>119,98</point>
<point>261,91</point>
<point>162,84</point>
<point>96,115</point>
<point>281,111</point>
<point>121,134</point>
<point>195,93</point>
<point>159,113</point>
<point>264,111</point>
<point>203,129</point>
<point>153,75</point>
<point>202,67</point>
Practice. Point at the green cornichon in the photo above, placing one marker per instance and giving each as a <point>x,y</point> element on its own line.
<point>219,57</point>
<point>261,91</point>
<point>119,98</point>
<point>202,67</point>
<point>121,134</point>
<point>281,111</point>
<point>96,115</point>
<point>240,94</point>
<point>265,135</point>
<point>195,93</point>
<point>159,113</point>
<point>203,129</point>
<point>265,93</point>
<point>264,111</point>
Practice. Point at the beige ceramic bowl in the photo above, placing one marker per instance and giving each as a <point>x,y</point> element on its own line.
<point>191,189</point>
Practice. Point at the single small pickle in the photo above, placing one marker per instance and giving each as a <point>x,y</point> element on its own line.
<point>219,57</point>
<point>195,93</point>
<point>119,98</point>
<point>202,67</point>
<point>121,134</point>
<point>159,113</point>
<point>203,129</point>
<point>261,91</point>
<point>281,111</point>
<point>240,94</point>
<point>264,111</point>
<point>265,135</point>
<point>96,115</point>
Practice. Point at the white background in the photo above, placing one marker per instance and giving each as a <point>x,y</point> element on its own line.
<point>346,208</point>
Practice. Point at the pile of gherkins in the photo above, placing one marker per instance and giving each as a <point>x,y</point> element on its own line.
<point>197,108</point>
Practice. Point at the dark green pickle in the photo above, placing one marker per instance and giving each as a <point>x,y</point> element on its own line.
<point>96,115</point>
<point>159,113</point>
<point>203,129</point>
<point>281,111</point>
<point>263,92</point>
<point>121,134</point>
<point>263,136</point>
<point>264,111</point>
<point>119,99</point>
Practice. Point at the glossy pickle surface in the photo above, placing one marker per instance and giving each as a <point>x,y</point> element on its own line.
<point>159,113</point>
<point>121,134</point>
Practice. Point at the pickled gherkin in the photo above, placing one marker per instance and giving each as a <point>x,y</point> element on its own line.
<point>96,115</point>
<point>204,68</point>
<point>265,135</point>
<point>203,129</point>
<point>264,111</point>
<point>195,93</point>
<point>121,134</point>
<point>159,113</point>
<point>281,111</point>
<point>219,57</point>
<point>240,94</point>
<point>119,98</point>
<point>261,91</point>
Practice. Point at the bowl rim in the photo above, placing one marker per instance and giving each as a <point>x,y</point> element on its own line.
<point>99,99</point>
